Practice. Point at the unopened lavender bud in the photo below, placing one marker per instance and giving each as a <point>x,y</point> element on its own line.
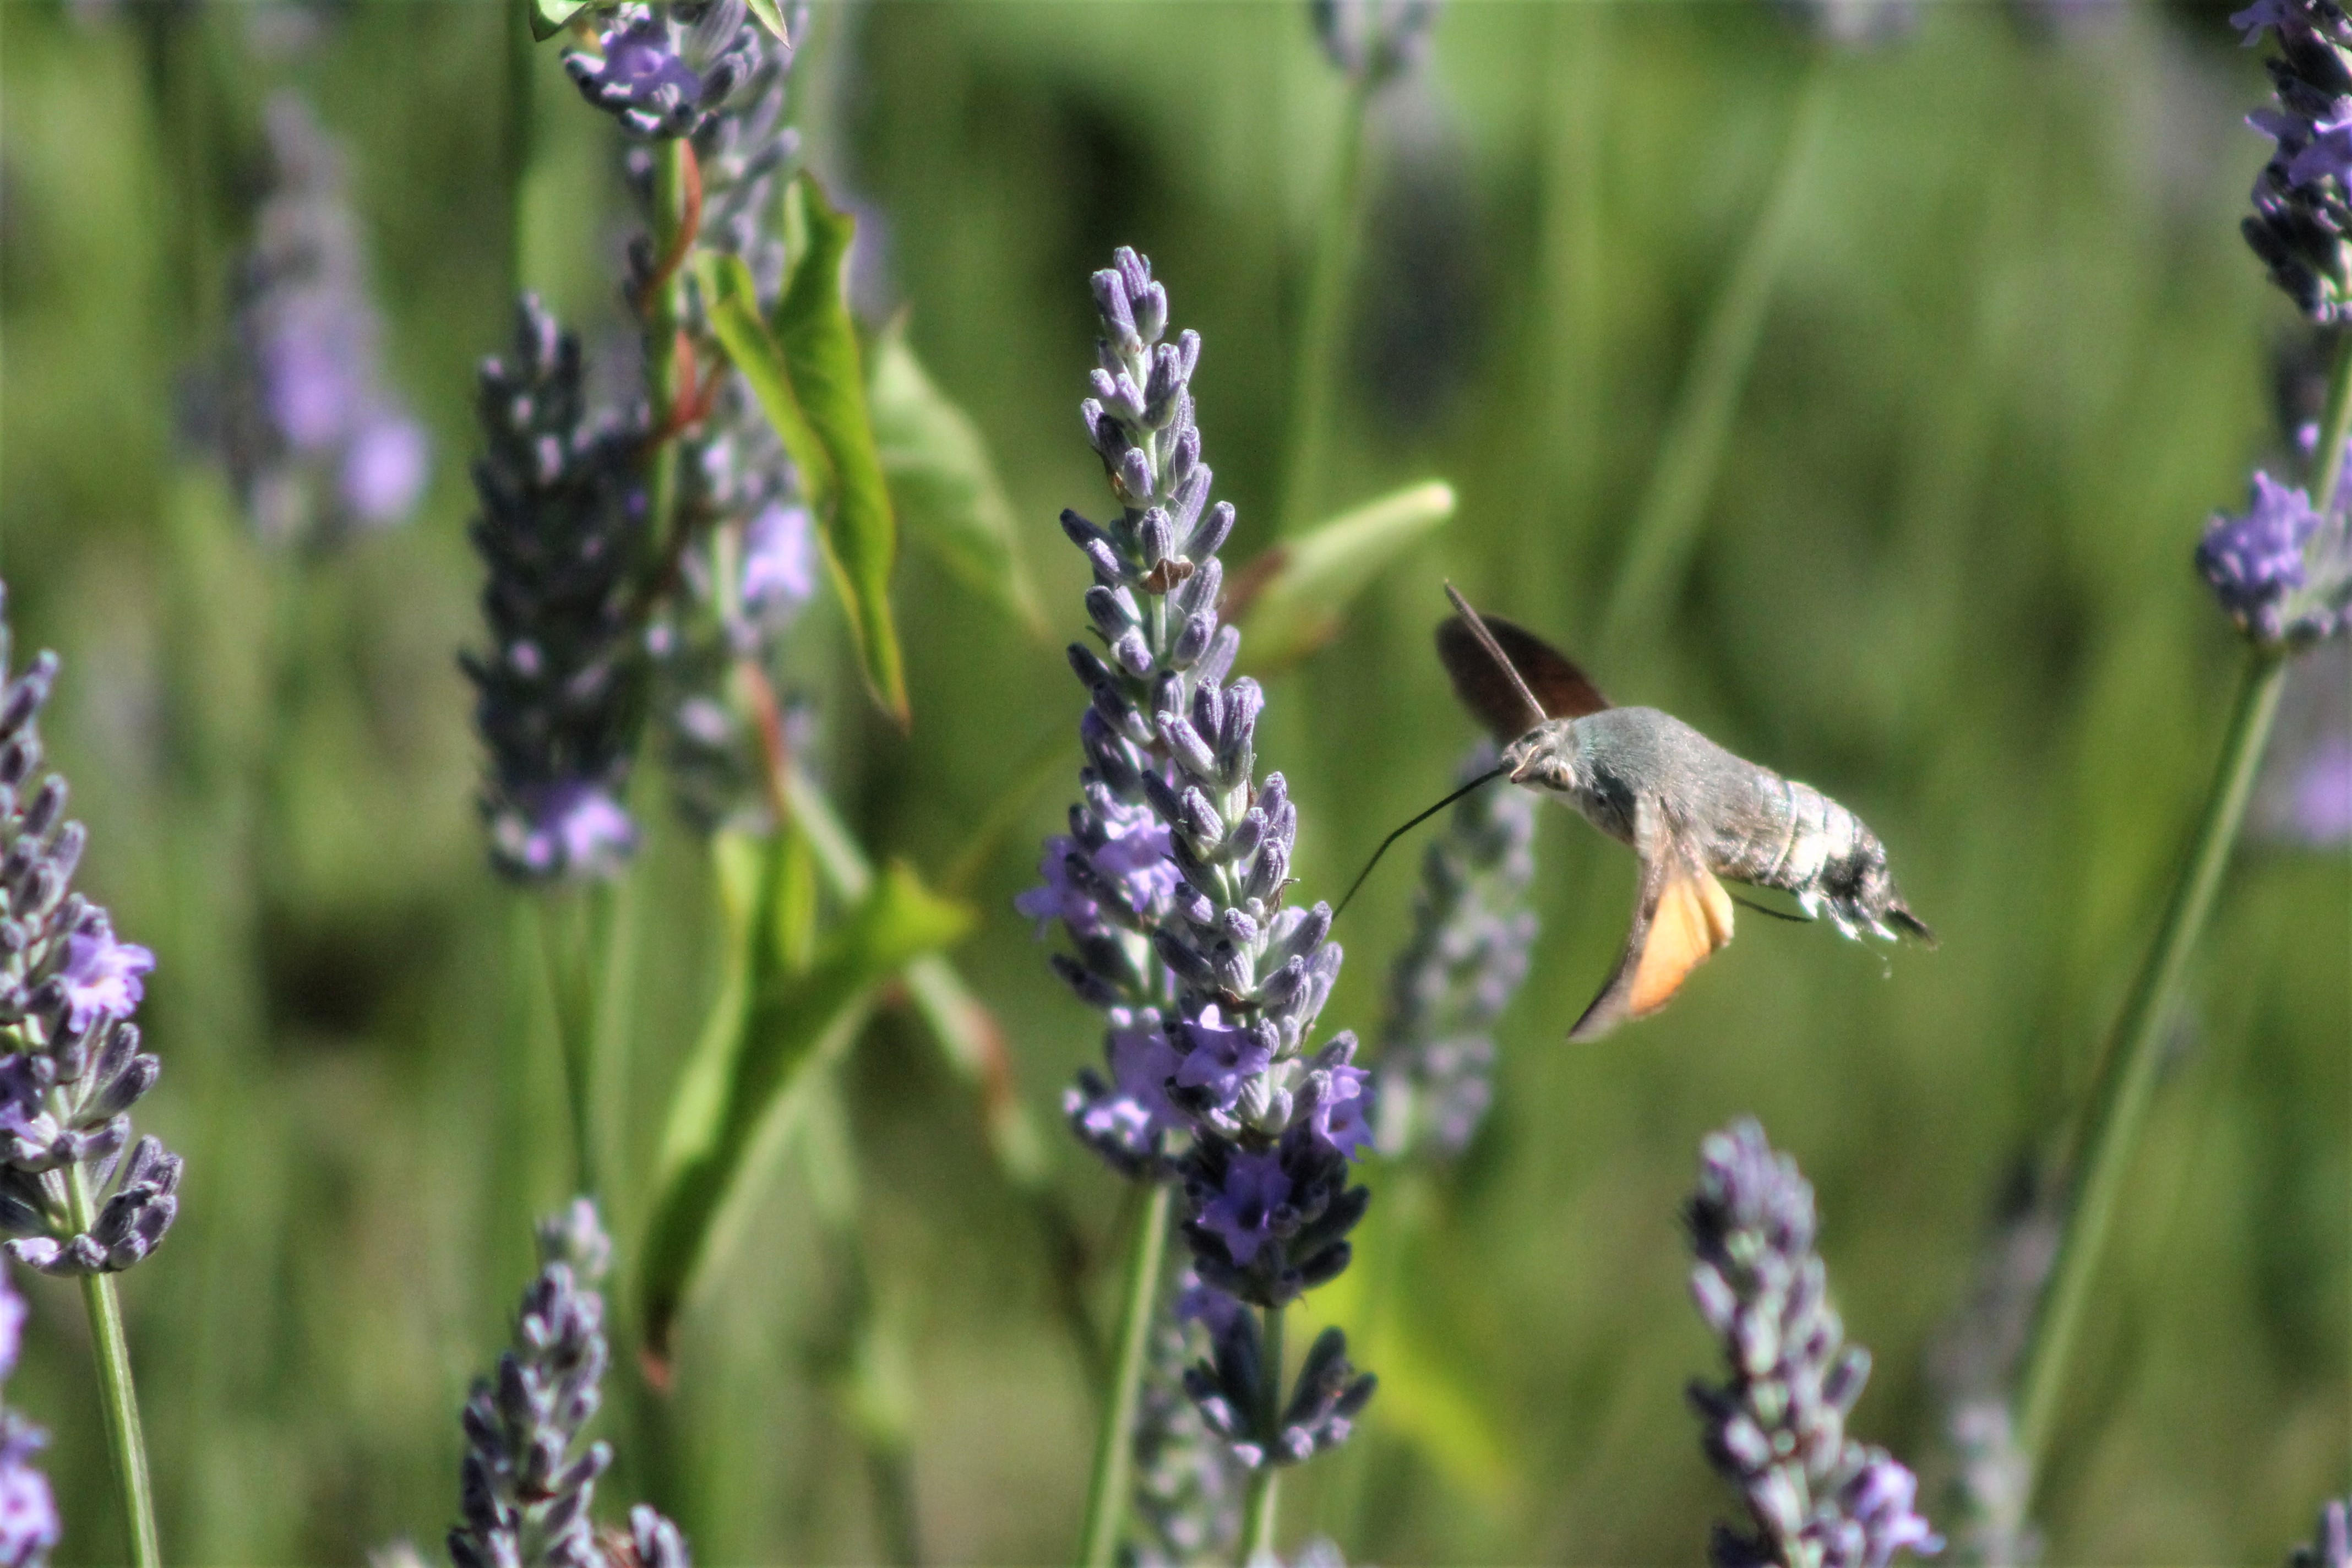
<point>1269,871</point>
<point>1131,653</point>
<point>1112,610</point>
<point>1185,744</point>
<point>1155,536</point>
<point>1246,836</point>
<point>1193,640</point>
<point>1200,820</point>
<point>1133,480</point>
<point>1152,313</point>
<point>1119,319</point>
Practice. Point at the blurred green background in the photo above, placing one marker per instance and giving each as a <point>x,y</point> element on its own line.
<point>2016,356</point>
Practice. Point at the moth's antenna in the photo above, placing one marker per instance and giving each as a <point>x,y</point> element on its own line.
<point>1489,776</point>
<point>1535,711</point>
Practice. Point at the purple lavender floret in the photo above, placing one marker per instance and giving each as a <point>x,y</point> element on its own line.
<point>317,445</point>
<point>1775,1428</point>
<point>2300,214</point>
<point>1472,933</point>
<point>1229,1389</point>
<point>70,1063</point>
<point>560,690</point>
<point>661,70</point>
<point>527,1481</point>
<point>2281,572</point>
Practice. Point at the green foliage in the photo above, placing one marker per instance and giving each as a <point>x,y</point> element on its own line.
<point>549,17</point>
<point>1301,588</point>
<point>797,999</point>
<point>944,481</point>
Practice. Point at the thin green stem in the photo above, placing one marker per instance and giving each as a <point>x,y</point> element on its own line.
<point>1258,1509</point>
<point>1690,454</point>
<point>1107,1493</point>
<point>663,314</point>
<point>2125,1079</point>
<point>564,952</point>
<point>1339,240</point>
<point>125,1444</point>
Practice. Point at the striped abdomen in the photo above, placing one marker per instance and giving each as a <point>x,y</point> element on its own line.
<point>1794,837</point>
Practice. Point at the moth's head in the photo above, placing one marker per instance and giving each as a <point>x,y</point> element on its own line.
<point>1546,757</point>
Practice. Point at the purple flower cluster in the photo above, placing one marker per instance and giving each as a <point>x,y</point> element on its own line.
<point>1171,880</point>
<point>1775,1426</point>
<point>560,690</point>
<point>2300,218</point>
<point>524,1490</point>
<point>29,1525</point>
<point>1472,931</point>
<point>73,1068</point>
<point>2281,570</point>
<point>662,69</point>
<point>317,448</point>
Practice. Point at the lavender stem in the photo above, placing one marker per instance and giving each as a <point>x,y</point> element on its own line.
<point>1259,1508</point>
<point>1107,1494</point>
<point>126,1445</point>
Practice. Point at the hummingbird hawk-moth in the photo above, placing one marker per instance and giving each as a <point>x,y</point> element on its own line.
<point>1693,812</point>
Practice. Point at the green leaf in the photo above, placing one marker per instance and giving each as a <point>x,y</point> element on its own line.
<point>1290,600</point>
<point>814,328</point>
<point>770,16</point>
<point>549,17</point>
<point>775,1029</point>
<point>946,486</point>
<point>735,316</point>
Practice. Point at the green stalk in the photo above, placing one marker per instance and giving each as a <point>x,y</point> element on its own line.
<point>2124,1082</point>
<point>1258,1507</point>
<point>1107,1493</point>
<point>566,951</point>
<point>662,320</point>
<point>125,1445</point>
<point>1339,240</point>
<point>1690,454</point>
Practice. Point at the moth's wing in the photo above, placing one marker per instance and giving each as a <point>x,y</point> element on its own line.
<point>1562,689</point>
<point>1681,916</point>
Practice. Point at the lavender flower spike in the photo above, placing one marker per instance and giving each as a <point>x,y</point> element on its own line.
<point>1775,1428</point>
<point>72,1068</point>
<point>2300,213</point>
<point>526,1483</point>
<point>560,691</point>
<point>1468,953</point>
<point>317,448</point>
<point>661,70</point>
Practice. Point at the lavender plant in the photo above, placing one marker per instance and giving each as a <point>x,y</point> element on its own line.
<point>526,1484</point>
<point>318,447</point>
<point>1775,1427</point>
<point>1169,886</point>
<point>1472,933</point>
<point>2283,573</point>
<point>78,1196</point>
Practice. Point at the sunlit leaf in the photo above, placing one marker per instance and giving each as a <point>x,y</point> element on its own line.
<point>753,349</point>
<point>1291,600</point>
<point>549,17</point>
<point>737,1101</point>
<point>770,16</point>
<point>949,497</point>
<point>814,328</point>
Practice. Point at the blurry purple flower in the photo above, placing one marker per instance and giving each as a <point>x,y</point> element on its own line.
<point>2331,1542</point>
<point>2322,795</point>
<point>12,1328</point>
<point>385,467</point>
<point>664,66</point>
<point>574,830</point>
<point>101,975</point>
<point>1880,1518</point>
<point>2327,155</point>
<point>1197,1302</point>
<point>1133,860</point>
<point>30,1526</point>
<point>315,443</point>
<point>1342,1098</point>
<point>1242,1214</point>
<point>779,560</point>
